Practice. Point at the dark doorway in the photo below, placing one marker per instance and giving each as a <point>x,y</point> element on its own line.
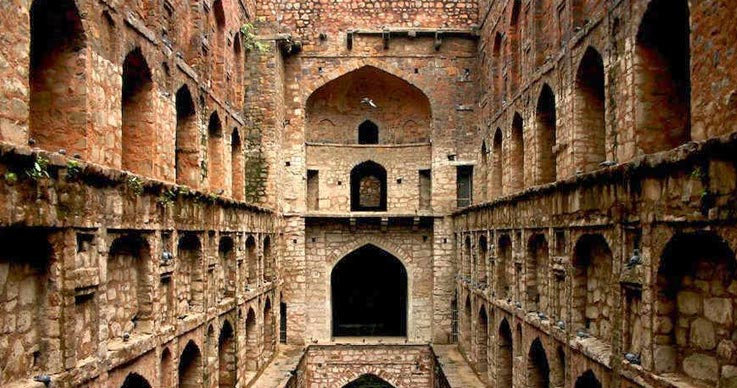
<point>588,380</point>
<point>283,322</point>
<point>369,294</point>
<point>368,133</point>
<point>368,187</point>
<point>368,381</point>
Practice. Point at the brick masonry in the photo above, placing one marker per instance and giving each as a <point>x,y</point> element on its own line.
<point>171,184</point>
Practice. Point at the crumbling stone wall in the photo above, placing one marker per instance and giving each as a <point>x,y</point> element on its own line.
<point>597,203</point>
<point>94,89</point>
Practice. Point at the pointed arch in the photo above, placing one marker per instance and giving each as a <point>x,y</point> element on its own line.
<point>589,112</point>
<point>269,260</point>
<point>545,134</point>
<point>504,356</point>
<point>134,380</point>
<point>517,155</point>
<point>226,357</point>
<point>187,139</point>
<point>57,78</point>
<point>191,368</point>
<point>215,164</point>
<point>251,341</point>
<point>269,339</point>
<point>368,133</point>
<point>165,368</point>
<point>497,164</point>
<point>484,173</point>
<point>138,132</point>
<point>587,380</point>
<point>368,93</point>
<point>662,77</point>
<point>251,260</point>
<point>514,45</point>
<point>538,371</point>
<point>128,286</point>
<point>368,380</point>
<point>237,165</point>
<point>482,344</point>
<point>497,68</point>
<point>483,248</point>
<point>368,187</point>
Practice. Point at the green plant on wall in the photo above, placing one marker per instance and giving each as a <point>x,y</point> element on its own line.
<point>250,40</point>
<point>39,169</point>
<point>167,197</point>
<point>135,185</point>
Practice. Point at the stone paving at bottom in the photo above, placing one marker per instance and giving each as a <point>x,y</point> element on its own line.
<point>457,371</point>
<point>277,374</point>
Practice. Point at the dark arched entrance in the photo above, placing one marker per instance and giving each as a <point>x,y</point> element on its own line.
<point>369,294</point>
<point>368,381</point>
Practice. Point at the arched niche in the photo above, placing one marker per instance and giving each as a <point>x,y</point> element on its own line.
<point>368,93</point>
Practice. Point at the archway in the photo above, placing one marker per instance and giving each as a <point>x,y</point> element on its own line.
<point>368,381</point>
<point>57,75</point>
<point>187,140</point>
<point>134,380</point>
<point>268,330</point>
<point>662,77</point>
<point>226,357</point>
<point>251,342</point>
<point>504,361</point>
<point>588,380</point>
<point>482,343</point>
<point>368,187</point>
<point>138,140</point>
<point>368,133</point>
<point>335,110</point>
<point>538,370</point>
<point>545,132</point>
<point>369,294</point>
<point>190,367</point>
<point>589,112</point>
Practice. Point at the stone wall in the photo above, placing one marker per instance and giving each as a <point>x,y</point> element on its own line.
<point>90,292</point>
<point>582,217</point>
<point>134,276</point>
<point>336,366</point>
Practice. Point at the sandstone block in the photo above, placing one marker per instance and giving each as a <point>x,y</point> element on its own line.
<point>702,367</point>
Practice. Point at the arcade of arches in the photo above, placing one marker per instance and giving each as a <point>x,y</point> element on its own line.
<point>358,194</point>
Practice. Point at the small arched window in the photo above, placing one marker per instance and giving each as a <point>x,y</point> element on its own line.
<point>368,133</point>
<point>368,187</point>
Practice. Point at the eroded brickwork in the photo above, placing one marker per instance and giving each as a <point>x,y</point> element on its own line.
<point>579,214</point>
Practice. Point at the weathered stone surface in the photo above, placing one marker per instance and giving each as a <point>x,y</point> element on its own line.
<point>702,367</point>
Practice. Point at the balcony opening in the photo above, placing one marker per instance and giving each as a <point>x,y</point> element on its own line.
<point>368,187</point>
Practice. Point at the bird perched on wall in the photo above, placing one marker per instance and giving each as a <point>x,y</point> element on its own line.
<point>369,102</point>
